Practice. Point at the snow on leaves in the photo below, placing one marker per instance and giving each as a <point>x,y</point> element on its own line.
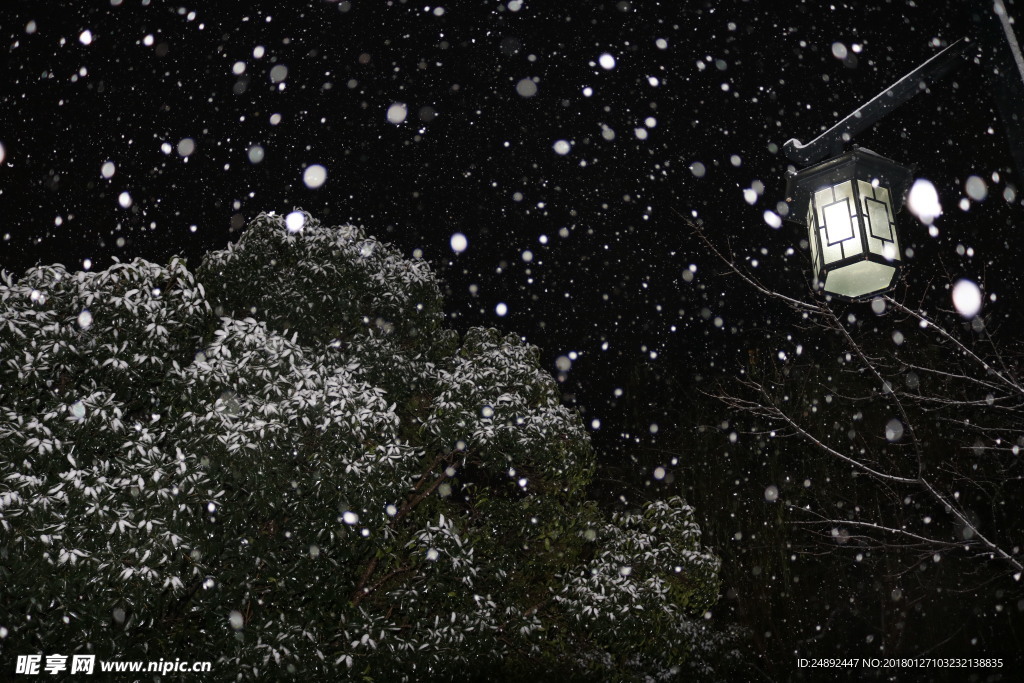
<point>648,574</point>
<point>327,283</point>
<point>285,461</point>
<point>497,403</point>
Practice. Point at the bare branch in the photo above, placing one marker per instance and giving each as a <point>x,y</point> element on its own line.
<point>744,275</point>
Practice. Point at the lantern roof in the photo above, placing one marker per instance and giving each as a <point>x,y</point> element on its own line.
<point>859,163</point>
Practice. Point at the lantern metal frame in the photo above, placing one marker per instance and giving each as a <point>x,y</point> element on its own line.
<point>993,46</point>
<point>888,183</point>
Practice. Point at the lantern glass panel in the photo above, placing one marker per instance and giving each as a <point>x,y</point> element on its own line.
<point>880,221</point>
<point>842,220</point>
<point>838,222</point>
<point>812,236</point>
<point>859,279</point>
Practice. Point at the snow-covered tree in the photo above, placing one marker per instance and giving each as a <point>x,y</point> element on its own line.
<point>284,463</point>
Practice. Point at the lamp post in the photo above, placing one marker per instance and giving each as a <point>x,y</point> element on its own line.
<point>849,201</point>
<point>850,204</point>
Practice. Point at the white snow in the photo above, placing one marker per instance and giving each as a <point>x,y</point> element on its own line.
<point>976,188</point>
<point>295,221</point>
<point>124,199</point>
<point>107,169</point>
<point>894,430</point>
<point>967,298</point>
<point>526,87</point>
<point>606,61</point>
<point>459,242</point>
<point>562,147</point>
<point>923,201</point>
<point>85,37</point>
<point>314,176</point>
<point>278,73</point>
<point>397,113</point>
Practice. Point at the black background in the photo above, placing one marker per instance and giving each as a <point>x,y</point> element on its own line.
<point>735,79</point>
<point>476,157</point>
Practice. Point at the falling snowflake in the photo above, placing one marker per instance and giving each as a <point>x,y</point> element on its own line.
<point>397,113</point>
<point>923,201</point>
<point>314,176</point>
<point>967,298</point>
<point>459,243</point>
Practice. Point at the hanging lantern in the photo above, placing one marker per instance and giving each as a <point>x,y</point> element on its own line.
<point>849,204</point>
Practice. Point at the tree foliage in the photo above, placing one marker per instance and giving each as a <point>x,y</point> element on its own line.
<point>284,463</point>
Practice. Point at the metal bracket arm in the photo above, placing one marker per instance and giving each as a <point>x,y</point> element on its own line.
<point>831,141</point>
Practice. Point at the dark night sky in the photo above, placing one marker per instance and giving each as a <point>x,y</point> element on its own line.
<point>714,84</point>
